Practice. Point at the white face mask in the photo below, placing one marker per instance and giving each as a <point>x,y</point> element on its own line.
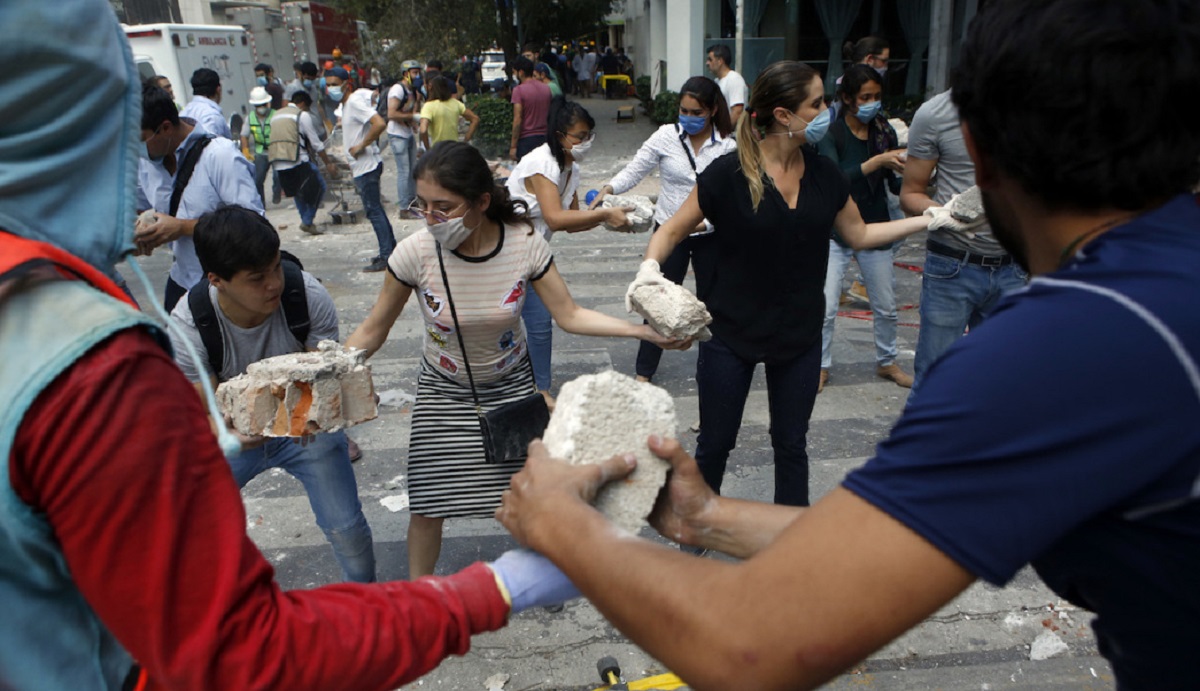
<point>451,233</point>
<point>580,150</point>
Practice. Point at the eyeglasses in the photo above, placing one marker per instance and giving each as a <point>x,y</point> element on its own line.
<point>581,138</point>
<point>436,216</point>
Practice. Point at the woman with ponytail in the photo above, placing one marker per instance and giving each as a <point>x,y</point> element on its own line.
<point>492,258</point>
<point>774,204</point>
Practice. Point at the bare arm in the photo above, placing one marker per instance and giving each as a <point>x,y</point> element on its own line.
<point>914,191</point>
<point>683,223</point>
<point>516,131</point>
<point>840,581</point>
<point>577,320</point>
<point>425,133</point>
<point>735,113</point>
<point>397,115</point>
<point>568,220</point>
<point>371,334</point>
<point>861,235</point>
<point>474,120</point>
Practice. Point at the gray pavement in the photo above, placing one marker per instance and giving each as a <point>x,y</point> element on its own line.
<point>979,641</point>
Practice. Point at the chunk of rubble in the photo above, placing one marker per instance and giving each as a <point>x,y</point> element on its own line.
<point>901,128</point>
<point>641,219</point>
<point>672,311</point>
<point>598,416</point>
<point>301,393</point>
<point>967,206</point>
<point>1047,645</point>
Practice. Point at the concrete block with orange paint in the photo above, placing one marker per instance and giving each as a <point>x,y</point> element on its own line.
<point>301,393</point>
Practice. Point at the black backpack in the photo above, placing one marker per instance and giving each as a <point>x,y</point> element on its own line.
<point>295,311</point>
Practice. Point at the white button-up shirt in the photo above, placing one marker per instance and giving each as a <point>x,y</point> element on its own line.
<point>208,113</point>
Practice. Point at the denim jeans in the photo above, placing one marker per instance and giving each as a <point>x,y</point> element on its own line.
<point>955,296</point>
<point>673,269</point>
<point>723,380</point>
<point>323,467</point>
<point>405,151</point>
<point>880,279</point>
<point>262,165</point>
<point>308,212</point>
<point>539,333</point>
<point>367,185</point>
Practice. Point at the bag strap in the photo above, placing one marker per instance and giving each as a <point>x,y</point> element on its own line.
<point>686,149</point>
<point>184,175</point>
<point>458,330</point>
<point>204,316</point>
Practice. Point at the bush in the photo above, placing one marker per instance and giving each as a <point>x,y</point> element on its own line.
<point>642,89</point>
<point>666,108</point>
<point>495,124</point>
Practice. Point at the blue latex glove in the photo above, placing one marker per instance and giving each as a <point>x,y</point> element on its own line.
<point>532,580</point>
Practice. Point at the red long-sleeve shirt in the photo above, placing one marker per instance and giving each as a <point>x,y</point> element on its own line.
<point>118,455</point>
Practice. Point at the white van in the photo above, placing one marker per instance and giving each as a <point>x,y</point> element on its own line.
<point>492,68</point>
<point>177,50</point>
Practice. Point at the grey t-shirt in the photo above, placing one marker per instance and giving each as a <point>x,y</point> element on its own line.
<point>244,346</point>
<point>935,135</point>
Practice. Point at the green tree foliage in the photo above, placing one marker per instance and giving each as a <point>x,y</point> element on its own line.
<point>495,124</point>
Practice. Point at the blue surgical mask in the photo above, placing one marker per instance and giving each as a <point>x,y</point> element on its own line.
<point>418,82</point>
<point>262,81</point>
<point>868,111</point>
<point>692,124</point>
<point>815,130</point>
<point>335,93</point>
<point>308,83</point>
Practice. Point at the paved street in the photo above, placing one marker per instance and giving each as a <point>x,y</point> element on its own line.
<point>981,641</point>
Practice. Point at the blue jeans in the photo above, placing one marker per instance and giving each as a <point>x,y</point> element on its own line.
<point>723,380</point>
<point>405,151</point>
<point>367,185</point>
<point>323,467</point>
<point>880,279</point>
<point>674,269</point>
<point>539,333</point>
<point>308,212</point>
<point>955,296</point>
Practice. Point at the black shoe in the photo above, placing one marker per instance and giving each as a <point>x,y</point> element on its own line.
<point>379,264</point>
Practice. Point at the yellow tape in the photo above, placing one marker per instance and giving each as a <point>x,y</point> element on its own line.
<point>662,682</point>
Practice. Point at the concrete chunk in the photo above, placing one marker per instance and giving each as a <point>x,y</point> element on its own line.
<point>301,393</point>
<point>673,311</point>
<point>600,415</point>
<point>641,219</point>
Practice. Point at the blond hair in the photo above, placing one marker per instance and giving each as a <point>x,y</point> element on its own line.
<point>782,84</point>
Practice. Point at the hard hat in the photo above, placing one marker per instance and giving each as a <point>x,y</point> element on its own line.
<point>409,65</point>
<point>337,52</point>
<point>259,96</point>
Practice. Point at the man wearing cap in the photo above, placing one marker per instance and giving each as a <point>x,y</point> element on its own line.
<point>545,75</point>
<point>293,150</point>
<point>361,127</point>
<point>205,106</point>
<point>404,109</point>
<point>256,134</point>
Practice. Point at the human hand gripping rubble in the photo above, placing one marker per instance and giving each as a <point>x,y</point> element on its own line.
<point>670,309</point>
<point>962,214</point>
<point>638,208</point>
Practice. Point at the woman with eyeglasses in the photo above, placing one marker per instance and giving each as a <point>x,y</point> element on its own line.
<point>773,204</point>
<point>547,180</point>
<point>680,151</point>
<point>492,260</point>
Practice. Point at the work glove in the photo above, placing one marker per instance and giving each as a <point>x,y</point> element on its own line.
<point>649,274</point>
<point>532,580</point>
<point>962,214</point>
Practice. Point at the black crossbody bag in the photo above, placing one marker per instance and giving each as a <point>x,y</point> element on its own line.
<point>508,429</point>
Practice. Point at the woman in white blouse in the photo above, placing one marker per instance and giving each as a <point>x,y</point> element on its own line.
<point>680,151</point>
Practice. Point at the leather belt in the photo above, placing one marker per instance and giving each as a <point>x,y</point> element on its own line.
<point>963,255</point>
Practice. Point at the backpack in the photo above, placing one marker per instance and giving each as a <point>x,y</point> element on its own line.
<point>295,311</point>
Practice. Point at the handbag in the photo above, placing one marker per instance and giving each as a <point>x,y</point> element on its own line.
<point>507,429</point>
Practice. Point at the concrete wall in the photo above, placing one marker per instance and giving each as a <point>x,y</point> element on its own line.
<point>685,50</point>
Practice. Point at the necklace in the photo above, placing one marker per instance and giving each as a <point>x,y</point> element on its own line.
<point>1070,249</point>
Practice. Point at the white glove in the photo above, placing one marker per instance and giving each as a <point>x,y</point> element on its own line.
<point>941,218</point>
<point>532,580</point>
<point>649,274</point>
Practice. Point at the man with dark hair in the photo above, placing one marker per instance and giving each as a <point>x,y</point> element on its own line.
<point>293,150</point>
<point>403,112</point>
<point>264,76</point>
<point>184,173</point>
<point>361,127</point>
<point>531,106</point>
<point>239,252</point>
<point>205,106</point>
<point>719,61</point>
<point>1060,433</point>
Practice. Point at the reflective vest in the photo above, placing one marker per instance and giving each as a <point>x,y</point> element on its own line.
<point>260,132</point>
<point>51,638</point>
<point>285,135</point>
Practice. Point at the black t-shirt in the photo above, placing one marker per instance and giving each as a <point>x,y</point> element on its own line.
<point>763,275</point>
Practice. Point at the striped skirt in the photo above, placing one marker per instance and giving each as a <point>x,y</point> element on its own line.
<point>447,474</point>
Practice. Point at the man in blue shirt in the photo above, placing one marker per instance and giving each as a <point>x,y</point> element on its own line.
<point>1060,433</point>
<point>221,176</point>
<point>205,106</point>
